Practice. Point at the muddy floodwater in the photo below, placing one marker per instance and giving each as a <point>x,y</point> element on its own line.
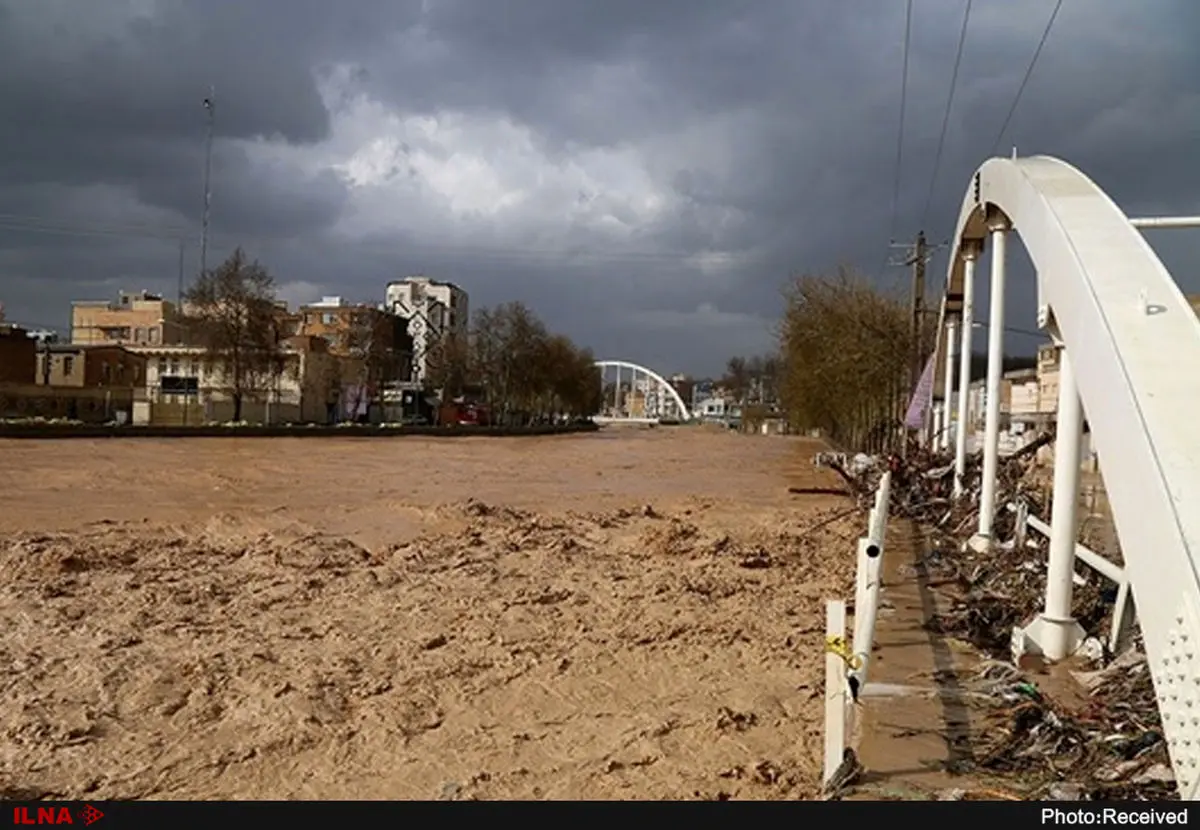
<point>633,613</point>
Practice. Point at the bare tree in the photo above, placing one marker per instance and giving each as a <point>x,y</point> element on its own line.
<point>448,364</point>
<point>845,348</point>
<point>233,314</point>
<point>526,372</point>
<point>755,379</point>
<point>737,378</point>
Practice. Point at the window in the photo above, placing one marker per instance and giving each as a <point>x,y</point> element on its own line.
<point>179,386</point>
<point>139,335</point>
<point>155,335</point>
<point>162,366</point>
<point>68,366</point>
<point>175,367</point>
<point>329,318</point>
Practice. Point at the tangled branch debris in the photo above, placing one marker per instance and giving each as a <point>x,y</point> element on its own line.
<point>1109,746</point>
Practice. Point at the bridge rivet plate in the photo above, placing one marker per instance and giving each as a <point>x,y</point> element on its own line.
<point>1176,682</point>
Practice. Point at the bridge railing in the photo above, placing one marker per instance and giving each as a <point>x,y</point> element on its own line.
<point>1123,610</point>
<point>847,664</point>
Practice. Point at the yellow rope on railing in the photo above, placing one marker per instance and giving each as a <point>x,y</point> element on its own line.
<point>838,646</point>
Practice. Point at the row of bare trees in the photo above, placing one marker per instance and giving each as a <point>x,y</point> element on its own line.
<point>847,349</point>
<point>754,380</point>
<point>524,371</point>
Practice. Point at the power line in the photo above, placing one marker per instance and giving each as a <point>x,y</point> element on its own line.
<point>1028,73</point>
<point>35,224</point>
<point>517,254</point>
<point>937,159</point>
<point>900,131</point>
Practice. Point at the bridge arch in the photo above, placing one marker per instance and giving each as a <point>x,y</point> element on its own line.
<point>671,392</point>
<point>1129,334</point>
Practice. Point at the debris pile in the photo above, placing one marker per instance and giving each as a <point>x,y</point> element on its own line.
<point>1109,748</point>
<point>987,593</point>
<point>1106,745</point>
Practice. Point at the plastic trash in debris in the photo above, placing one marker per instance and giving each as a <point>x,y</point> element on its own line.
<point>861,464</point>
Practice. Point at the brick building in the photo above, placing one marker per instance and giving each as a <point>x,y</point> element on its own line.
<point>134,319</point>
<point>346,327</point>
<point>70,365</point>
<point>18,354</point>
<point>371,346</point>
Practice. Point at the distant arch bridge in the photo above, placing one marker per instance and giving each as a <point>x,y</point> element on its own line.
<point>634,394</point>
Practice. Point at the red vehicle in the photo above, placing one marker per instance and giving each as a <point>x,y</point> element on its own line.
<point>462,414</point>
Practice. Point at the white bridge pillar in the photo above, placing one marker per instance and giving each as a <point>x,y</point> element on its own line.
<point>998,228</point>
<point>1055,633</point>
<point>943,439</point>
<point>970,253</point>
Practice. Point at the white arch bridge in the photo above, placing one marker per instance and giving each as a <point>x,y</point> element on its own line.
<point>634,394</point>
<point>1128,344</point>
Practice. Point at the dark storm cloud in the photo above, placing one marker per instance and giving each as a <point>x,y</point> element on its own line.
<point>790,111</point>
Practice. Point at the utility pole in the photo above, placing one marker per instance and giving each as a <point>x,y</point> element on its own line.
<point>210,107</point>
<point>916,327</point>
<point>919,254</point>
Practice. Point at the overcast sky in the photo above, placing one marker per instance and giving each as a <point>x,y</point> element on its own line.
<point>645,174</point>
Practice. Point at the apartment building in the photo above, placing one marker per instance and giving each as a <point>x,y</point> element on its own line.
<point>351,328</point>
<point>432,309</point>
<point>140,318</point>
<point>1047,378</point>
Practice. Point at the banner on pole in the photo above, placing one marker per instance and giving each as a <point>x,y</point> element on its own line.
<point>922,397</point>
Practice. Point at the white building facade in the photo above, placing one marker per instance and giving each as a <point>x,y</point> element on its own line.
<point>184,375</point>
<point>433,309</point>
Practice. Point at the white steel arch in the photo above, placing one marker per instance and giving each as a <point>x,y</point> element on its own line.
<point>660,381</point>
<point>1130,342</point>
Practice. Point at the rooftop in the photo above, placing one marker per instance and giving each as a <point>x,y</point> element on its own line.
<point>329,302</point>
<point>421,279</point>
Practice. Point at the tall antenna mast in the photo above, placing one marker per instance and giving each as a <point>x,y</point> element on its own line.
<point>210,107</point>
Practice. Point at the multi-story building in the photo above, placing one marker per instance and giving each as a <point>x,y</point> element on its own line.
<point>433,310</point>
<point>351,328</point>
<point>1047,378</point>
<point>332,319</point>
<point>372,348</point>
<point>134,319</point>
<point>1023,394</point>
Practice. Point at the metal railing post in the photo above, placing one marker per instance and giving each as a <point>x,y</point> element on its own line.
<point>835,688</point>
